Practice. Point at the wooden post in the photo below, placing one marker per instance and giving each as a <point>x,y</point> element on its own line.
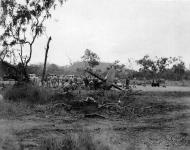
<point>45,61</point>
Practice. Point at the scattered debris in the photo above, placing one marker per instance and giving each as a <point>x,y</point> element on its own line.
<point>94,116</point>
<point>83,104</point>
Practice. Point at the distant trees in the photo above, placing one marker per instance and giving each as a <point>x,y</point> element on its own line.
<point>166,68</point>
<point>51,69</point>
<point>54,69</point>
<point>146,65</point>
<point>35,69</point>
<point>178,68</point>
<point>118,66</point>
<point>91,58</point>
<point>163,67</point>
<point>152,67</point>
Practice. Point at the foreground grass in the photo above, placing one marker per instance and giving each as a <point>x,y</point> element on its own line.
<point>28,99</point>
<point>28,93</point>
<point>80,141</point>
<point>146,104</point>
<point>11,110</point>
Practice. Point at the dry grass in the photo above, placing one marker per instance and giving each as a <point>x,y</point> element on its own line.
<point>9,143</point>
<point>81,141</point>
<point>27,93</point>
<point>10,110</point>
<point>184,83</point>
<point>53,143</point>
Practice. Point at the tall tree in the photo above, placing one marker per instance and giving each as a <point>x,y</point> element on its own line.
<point>162,63</point>
<point>146,65</point>
<point>155,66</point>
<point>179,69</point>
<point>22,22</point>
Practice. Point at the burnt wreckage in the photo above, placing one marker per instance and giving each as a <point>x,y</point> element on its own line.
<point>105,83</point>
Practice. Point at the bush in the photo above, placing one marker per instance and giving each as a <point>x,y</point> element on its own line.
<point>28,93</point>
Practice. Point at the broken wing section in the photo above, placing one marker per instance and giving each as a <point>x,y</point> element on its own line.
<point>110,77</point>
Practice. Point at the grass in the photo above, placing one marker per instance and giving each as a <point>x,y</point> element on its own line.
<point>133,107</point>
<point>10,110</point>
<point>52,143</point>
<point>185,83</point>
<point>81,141</point>
<point>9,143</point>
<point>28,93</point>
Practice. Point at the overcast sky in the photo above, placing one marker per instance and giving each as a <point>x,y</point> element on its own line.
<point>117,29</point>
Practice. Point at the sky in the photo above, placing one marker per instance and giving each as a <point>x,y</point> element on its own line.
<point>117,30</point>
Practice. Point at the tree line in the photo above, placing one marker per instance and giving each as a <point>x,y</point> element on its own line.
<point>169,68</point>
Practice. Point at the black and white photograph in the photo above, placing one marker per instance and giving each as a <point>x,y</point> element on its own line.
<point>94,74</point>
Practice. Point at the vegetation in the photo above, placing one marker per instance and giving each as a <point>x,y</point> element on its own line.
<point>83,141</point>
<point>172,68</point>
<point>22,23</point>
<point>28,93</point>
<point>13,110</point>
<point>56,131</point>
<point>90,58</point>
<point>149,68</point>
<point>80,141</point>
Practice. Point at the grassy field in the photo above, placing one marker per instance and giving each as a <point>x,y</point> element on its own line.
<point>164,89</point>
<point>155,119</point>
<point>179,83</point>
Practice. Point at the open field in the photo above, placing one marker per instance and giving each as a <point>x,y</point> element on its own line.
<point>178,83</point>
<point>163,89</point>
<point>156,121</point>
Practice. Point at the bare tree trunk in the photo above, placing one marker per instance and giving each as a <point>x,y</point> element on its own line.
<point>45,61</point>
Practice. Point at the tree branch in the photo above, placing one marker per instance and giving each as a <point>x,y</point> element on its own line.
<point>21,41</point>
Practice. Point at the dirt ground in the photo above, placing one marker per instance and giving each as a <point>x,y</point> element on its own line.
<point>163,127</point>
